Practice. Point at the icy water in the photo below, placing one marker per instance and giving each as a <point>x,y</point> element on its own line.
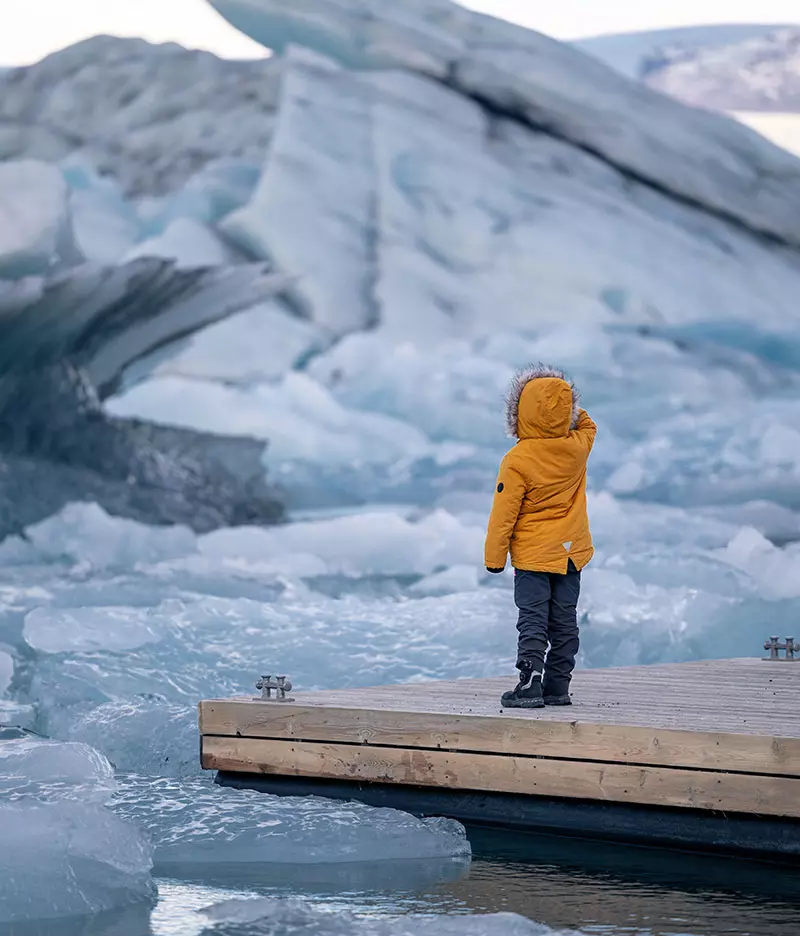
<point>585,887</point>
<point>110,632</point>
<point>568,886</point>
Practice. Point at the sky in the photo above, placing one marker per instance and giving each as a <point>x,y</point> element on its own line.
<point>31,29</point>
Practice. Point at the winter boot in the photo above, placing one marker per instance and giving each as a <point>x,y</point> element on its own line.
<point>556,694</point>
<point>528,693</point>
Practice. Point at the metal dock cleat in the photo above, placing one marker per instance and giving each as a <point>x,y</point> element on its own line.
<point>790,646</point>
<point>280,685</point>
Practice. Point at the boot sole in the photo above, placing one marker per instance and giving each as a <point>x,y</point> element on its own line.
<point>522,703</point>
<point>557,700</point>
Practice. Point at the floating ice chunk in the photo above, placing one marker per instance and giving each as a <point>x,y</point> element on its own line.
<point>780,445</point>
<point>195,821</point>
<point>775,570</point>
<point>777,523</point>
<point>628,624</point>
<point>6,671</point>
<point>85,533</point>
<point>458,578</point>
<point>449,392</point>
<point>61,630</point>
<point>54,769</point>
<point>143,736</point>
<point>35,228</point>
<point>299,417</point>
<point>627,479</point>
<point>625,526</point>
<point>265,917</point>
<point>14,550</point>
<point>260,344</point>
<point>190,243</point>
<point>214,643</point>
<point>69,859</point>
<point>363,544</point>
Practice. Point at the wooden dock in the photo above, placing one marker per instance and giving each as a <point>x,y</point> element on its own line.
<point>697,754</point>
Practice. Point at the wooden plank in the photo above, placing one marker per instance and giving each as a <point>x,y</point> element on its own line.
<point>661,786</point>
<point>573,739</point>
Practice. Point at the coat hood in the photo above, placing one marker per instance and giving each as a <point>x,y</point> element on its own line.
<point>542,403</point>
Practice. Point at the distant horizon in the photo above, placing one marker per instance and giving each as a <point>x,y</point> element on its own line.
<point>43,27</point>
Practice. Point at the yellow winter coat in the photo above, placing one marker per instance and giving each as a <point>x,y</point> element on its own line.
<point>539,510</point>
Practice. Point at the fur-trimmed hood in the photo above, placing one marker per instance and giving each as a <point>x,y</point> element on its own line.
<point>542,402</point>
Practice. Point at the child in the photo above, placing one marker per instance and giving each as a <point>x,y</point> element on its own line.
<point>539,514</point>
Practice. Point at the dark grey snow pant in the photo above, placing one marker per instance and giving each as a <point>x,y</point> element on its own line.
<point>548,614</point>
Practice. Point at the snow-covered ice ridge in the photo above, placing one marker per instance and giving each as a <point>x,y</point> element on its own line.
<point>627,52</point>
<point>761,73</point>
<point>150,116</point>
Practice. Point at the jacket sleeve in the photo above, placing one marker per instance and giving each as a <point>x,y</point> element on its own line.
<point>585,431</point>
<point>510,490</point>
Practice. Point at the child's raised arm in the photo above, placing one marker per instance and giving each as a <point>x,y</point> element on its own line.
<point>510,491</point>
<point>585,430</point>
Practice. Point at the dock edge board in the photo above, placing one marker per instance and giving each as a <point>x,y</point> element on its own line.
<point>530,776</point>
<point>572,740</point>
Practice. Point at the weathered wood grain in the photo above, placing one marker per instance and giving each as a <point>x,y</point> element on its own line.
<point>574,740</point>
<point>622,783</point>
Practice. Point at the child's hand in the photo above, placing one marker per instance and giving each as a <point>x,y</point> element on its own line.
<point>494,571</point>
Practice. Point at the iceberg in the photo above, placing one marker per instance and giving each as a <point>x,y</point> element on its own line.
<point>300,418</point>
<point>360,545</point>
<point>66,341</point>
<point>36,235</point>
<point>77,314</point>
<point>257,346</point>
<point>86,534</point>
<point>697,156</point>
<point>437,226</point>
